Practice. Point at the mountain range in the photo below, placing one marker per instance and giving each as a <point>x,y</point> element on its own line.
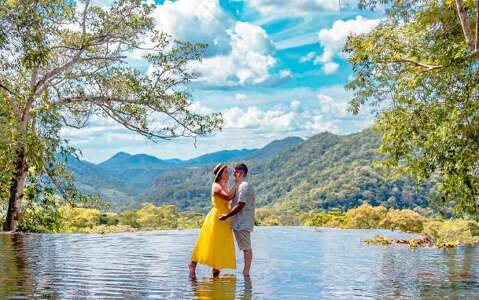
<point>324,171</point>
<point>124,179</point>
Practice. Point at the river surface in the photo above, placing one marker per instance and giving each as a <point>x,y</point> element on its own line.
<point>289,263</point>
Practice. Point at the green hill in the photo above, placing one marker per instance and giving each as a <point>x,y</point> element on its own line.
<point>123,179</point>
<point>325,171</point>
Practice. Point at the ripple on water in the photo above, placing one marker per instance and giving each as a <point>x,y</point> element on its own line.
<point>290,262</point>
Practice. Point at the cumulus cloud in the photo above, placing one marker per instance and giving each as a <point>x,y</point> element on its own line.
<point>285,73</point>
<point>333,39</point>
<point>330,68</point>
<point>295,105</point>
<point>249,61</point>
<point>333,108</point>
<point>308,57</point>
<point>238,52</point>
<point>294,120</point>
<point>196,21</point>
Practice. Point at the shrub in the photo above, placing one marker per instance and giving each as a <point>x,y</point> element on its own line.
<point>405,220</point>
<point>452,232</point>
<point>332,218</point>
<point>365,216</point>
<point>79,218</point>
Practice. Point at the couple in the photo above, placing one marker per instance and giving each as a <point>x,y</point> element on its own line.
<point>214,246</point>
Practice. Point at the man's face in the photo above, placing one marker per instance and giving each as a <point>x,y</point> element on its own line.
<point>237,173</point>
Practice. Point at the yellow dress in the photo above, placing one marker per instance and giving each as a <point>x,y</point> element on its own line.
<point>214,246</point>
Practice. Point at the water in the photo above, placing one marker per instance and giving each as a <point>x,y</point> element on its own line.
<point>289,263</point>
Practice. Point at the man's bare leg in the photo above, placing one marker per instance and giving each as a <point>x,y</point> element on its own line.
<point>248,258</point>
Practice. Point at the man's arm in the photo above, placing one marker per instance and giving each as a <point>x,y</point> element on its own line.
<point>236,209</point>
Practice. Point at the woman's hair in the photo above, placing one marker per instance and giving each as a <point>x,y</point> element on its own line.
<point>218,171</point>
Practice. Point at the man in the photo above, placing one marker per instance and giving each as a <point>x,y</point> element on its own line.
<point>242,215</point>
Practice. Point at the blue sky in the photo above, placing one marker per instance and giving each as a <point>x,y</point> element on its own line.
<point>274,68</point>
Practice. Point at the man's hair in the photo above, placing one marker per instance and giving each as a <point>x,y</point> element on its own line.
<point>242,167</point>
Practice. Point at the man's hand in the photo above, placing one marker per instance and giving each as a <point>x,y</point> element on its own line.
<point>223,217</point>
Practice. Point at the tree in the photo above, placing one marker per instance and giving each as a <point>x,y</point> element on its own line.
<point>418,69</point>
<point>62,62</point>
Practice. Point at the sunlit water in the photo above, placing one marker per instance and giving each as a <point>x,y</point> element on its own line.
<point>289,263</point>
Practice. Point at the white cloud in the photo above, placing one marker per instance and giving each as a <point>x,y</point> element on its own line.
<point>238,52</point>
<point>292,8</point>
<point>285,73</point>
<point>197,108</point>
<point>239,96</point>
<point>255,118</point>
<point>332,40</point>
<point>308,57</point>
<point>333,108</point>
<point>249,61</point>
<point>295,105</point>
<point>201,21</point>
<point>330,68</point>
<point>318,125</point>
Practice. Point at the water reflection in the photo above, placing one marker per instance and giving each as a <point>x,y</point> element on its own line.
<point>290,263</point>
<point>223,287</point>
<point>14,267</point>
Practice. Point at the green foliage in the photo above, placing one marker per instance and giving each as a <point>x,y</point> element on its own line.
<point>324,172</point>
<point>41,211</point>
<point>332,218</point>
<point>368,217</point>
<point>58,68</point>
<point>418,70</point>
<point>365,216</point>
<point>404,220</point>
<point>276,217</point>
<point>378,240</point>
<point>79,219</point>
<point>452,232</point>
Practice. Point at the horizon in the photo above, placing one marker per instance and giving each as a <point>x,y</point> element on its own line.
<point>269,80</point>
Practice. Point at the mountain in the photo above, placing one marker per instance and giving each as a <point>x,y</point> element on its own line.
<point>325,171</point>
<point>274,148</point>
<point>122,161</point>
<point>123,179</point>
<point>220,156</point>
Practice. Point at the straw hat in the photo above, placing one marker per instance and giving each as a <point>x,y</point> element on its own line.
<point>218,170</point>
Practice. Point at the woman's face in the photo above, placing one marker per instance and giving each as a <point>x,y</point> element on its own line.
<point>226,175</point>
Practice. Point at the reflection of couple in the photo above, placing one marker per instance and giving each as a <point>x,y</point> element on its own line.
<point>214,246</point>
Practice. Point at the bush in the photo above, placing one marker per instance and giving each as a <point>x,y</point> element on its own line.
<point>276,217</point>
<point>452,232</point>
<point>404,220</point>
<point>79,219</point>
<point>365,216</point>
<point>41,215</point>
<point>332,218</point>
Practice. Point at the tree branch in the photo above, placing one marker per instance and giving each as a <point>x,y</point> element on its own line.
<point>15,108</point>
<point>464,24</point>
<point>428,67</point>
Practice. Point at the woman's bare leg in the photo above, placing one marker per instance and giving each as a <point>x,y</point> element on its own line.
<point>192,267</point>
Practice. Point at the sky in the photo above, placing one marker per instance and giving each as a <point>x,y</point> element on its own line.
<point>273,68</point>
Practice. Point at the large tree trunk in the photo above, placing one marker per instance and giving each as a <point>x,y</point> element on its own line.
<point>16,191</point>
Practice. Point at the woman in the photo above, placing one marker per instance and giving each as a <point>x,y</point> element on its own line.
<point>214,246</point>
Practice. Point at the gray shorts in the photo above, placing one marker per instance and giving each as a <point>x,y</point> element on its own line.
<point>243,239</point>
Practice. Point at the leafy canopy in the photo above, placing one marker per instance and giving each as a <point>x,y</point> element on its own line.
<point>419,70</point>
<point>62,62</point>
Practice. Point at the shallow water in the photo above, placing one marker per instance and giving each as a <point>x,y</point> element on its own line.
<point>289,263</point>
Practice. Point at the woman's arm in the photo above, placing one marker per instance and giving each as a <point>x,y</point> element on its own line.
<point>219,191</point>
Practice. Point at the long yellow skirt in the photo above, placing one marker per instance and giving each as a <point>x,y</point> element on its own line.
<point>214,246</point>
